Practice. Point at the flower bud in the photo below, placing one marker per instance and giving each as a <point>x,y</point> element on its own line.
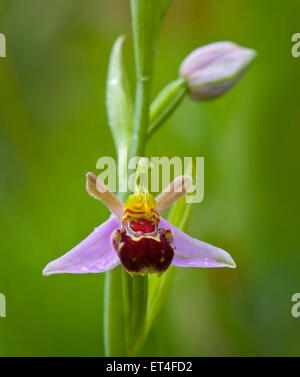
<point>213,69</point>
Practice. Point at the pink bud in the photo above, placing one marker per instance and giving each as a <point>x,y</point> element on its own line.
<point>213,69</point>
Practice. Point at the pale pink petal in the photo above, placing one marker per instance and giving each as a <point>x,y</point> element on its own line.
<point>190,252</point>
<point>213,69</point>
<point>93,254</point>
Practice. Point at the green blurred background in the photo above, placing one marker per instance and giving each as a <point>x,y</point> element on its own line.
<point>53,128</point>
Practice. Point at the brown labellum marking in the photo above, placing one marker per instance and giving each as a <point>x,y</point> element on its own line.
<point>143,248</point>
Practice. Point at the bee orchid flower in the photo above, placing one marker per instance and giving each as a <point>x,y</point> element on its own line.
<point>137,236</point>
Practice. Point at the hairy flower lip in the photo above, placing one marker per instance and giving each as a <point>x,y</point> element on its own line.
<point>146,253</point>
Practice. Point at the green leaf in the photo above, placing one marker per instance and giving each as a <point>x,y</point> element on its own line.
<point>120,118</point>
<point>166,102</point>
<point>118,98</point>
<point>159,286</point>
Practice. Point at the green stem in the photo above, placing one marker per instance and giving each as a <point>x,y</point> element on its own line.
<point>141,117</point>
<point>127,304</point>
<point>114,321</point>
<point>139,311</point>
<point>136,287</point>
<point>126,297</point>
